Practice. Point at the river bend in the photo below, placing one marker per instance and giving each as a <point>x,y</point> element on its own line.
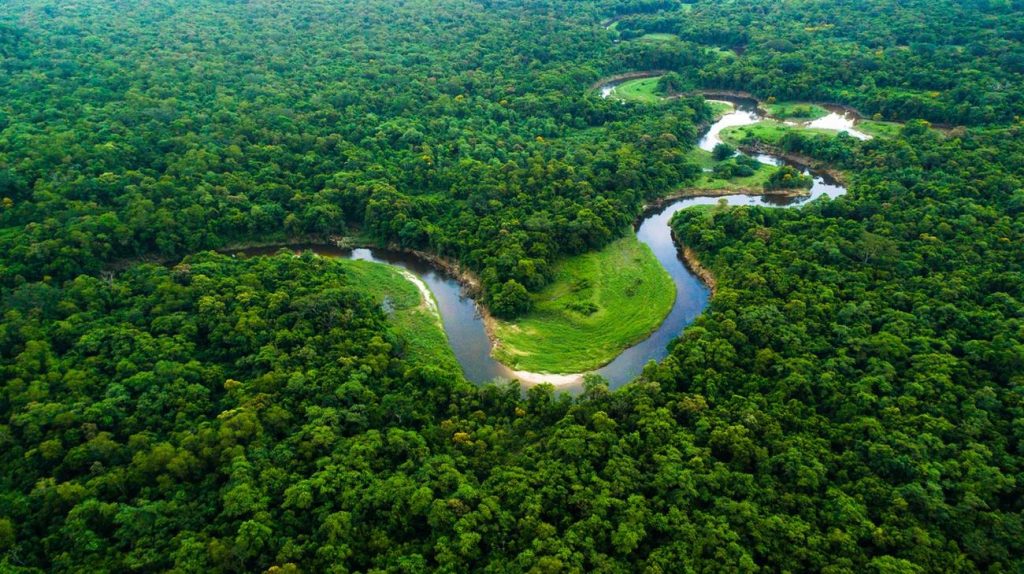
<point>465,327</point>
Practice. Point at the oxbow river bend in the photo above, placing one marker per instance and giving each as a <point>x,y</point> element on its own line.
<point>465,327</point>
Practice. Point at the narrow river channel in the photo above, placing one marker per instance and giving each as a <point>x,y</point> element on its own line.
<point>465,327</point>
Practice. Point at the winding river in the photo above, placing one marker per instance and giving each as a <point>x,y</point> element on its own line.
<point>466,329</point>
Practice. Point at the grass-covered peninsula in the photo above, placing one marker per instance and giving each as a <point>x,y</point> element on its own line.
<point>642,90</point>
<point>599,303</point>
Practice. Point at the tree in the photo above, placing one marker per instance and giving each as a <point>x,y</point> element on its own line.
<point>788,177</point>
<point>723,151</point>
<point>670,84</point>
<point>510,300</point>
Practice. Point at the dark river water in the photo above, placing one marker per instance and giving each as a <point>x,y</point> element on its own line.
<point>465,328</point>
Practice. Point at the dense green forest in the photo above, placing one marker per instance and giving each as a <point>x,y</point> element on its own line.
<point>945,61</point>
<point>852,400</point>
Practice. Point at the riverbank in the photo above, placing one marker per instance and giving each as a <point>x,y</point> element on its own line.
<point>625,76</point>
<point>434,323</point>
<point>410,306</point>
<point>762,107</point>
<point>657,204</point>
<point>470,289</point>
<point>469,280</point>
<point>639,90</point>
<point>693,263</point>
<point>709,184</point>
<point>807,161</point>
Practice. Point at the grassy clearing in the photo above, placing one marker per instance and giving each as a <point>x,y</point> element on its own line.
<point>796,111</point>
<point>709,181</point>
<point>658,37</point>
<point>642,90</point>
<point>599,304</point>
<point>418,326</point>
<point>770,132</point>
<point>880,129</point>
<point>702,158</point>
<point>721,53</point>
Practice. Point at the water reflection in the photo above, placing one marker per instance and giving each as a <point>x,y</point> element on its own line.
<point>839,120</point>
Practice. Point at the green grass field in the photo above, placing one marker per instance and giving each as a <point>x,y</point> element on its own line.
<point>658,37</point>
<point>642,90</point>
<point>599,304</point>
<point>880,129</point>
<point>770,132</point>
<point>419,326</point>
<point>796,111</point>
<point>720,53</point>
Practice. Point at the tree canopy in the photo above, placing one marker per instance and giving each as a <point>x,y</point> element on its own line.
<point>850,401</point>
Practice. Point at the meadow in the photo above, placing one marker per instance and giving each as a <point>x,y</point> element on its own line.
<point>643,90</point>
<point>599,304</point>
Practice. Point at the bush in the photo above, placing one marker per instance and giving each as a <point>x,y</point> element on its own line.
<point>734,168</point>
<point>723,151</point>
<point>788,178</point>
<point>670,84</point>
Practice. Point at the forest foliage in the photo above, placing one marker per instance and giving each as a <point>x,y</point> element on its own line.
<point>851,401</point>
